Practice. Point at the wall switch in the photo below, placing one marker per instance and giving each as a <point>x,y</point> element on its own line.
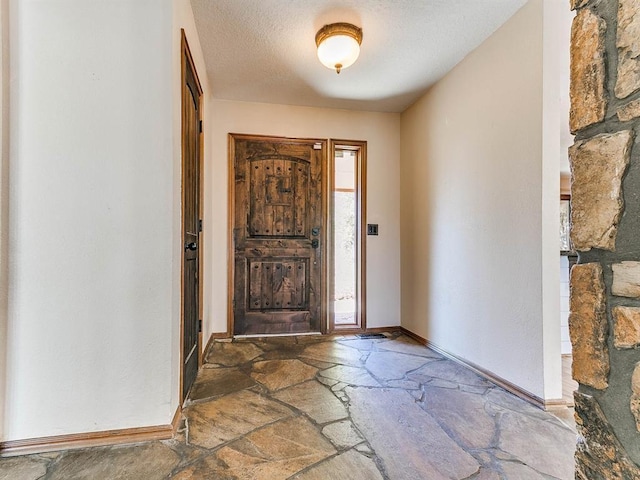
<point>372,229</point>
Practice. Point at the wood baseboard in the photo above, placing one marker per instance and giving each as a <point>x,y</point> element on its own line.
<point>218,335</point>
<point>556,403</point>
<point>207,347</point>
<point>416,337</point>
<point>382,330</point>
<point>177,420</point>
<point>493,378</point>
<point>93,439</point>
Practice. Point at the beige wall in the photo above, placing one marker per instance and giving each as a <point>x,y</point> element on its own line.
<point>380,130</point>
<point>471,211</point>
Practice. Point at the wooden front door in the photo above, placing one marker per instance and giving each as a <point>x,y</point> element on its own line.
<point>278,235</point>
<point>191,135</point>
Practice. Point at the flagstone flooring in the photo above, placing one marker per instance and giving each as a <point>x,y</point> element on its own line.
<point>343,408</point>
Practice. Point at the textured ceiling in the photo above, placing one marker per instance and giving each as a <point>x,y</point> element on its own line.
<point>264,50</point>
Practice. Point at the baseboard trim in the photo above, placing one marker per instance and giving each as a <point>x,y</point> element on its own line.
<point>219,335</point>
<point>177,420</point>
<point>556,403</point>
<point>207,347</point>
<point>382,330</point>
<point>415,336</point>
<point>93,439</point>
<point>493,378</point>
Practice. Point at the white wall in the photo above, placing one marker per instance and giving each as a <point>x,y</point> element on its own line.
<point>382,133</point>
<point>4,198</point>
<point>562,50</point>
<point>472,218</point>
<point>565,345</point>
<point>560,43</point>
<point>556,44</point>
<point>92,241</point>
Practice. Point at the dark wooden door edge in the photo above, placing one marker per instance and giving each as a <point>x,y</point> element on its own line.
<point>187,60</point>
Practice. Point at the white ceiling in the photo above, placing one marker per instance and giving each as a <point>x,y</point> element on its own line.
<point>264,50</point>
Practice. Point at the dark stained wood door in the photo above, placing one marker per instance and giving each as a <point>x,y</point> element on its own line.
<point>191,135</point>
<point>278,234</point>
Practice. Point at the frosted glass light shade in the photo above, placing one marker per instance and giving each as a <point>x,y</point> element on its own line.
<point>338,45</point>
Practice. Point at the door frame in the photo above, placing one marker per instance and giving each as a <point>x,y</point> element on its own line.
<point>324,326</point>
<point>187,59</point>
<point>361,202</point>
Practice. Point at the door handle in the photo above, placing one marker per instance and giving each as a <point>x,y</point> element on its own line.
<point>190,246</point>
<point>315,243</point>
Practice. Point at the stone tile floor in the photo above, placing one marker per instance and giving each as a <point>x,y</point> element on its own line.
<point>344,408</point>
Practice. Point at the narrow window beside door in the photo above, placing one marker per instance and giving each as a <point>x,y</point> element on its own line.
<point>347,246</point>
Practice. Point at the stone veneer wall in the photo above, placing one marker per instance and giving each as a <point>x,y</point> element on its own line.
<point>604,321</point>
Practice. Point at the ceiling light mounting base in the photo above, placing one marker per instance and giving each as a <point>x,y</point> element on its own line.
<point>338,45</point>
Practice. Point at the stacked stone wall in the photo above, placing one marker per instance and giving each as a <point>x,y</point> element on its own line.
<point>604,321</point>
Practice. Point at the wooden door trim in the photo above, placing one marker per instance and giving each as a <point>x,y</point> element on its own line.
<point>231,205</point>
<point>187,59</point>
<point>232,137</point>
<point>361,177</point>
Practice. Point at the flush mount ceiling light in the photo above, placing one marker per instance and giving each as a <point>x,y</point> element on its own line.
<point>338,45</point>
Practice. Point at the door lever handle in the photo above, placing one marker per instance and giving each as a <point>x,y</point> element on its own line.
<point>190,246</point>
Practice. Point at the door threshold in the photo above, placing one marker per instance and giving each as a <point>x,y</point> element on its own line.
<point>262,335</point>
